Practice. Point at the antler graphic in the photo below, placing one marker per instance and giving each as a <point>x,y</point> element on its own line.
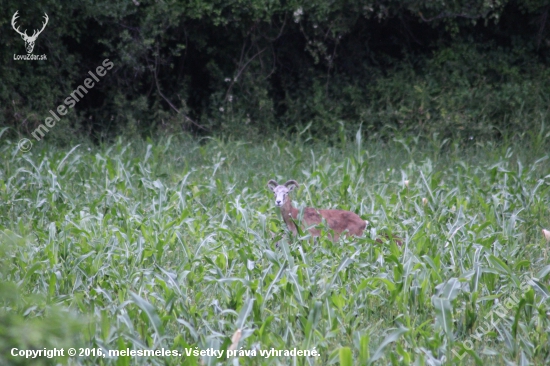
<point>29,41</point>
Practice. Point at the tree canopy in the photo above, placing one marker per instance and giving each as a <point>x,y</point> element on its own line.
<point>211,66</point>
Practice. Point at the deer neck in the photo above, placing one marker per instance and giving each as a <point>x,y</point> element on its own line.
<point>289,213</point>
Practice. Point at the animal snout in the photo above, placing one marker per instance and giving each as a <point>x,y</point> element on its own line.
<point>278,202</point>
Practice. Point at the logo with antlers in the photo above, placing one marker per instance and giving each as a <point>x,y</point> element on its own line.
<point>29,40</point>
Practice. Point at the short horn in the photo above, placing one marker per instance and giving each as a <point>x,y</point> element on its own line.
<point>291,182</point>
<point>272,184</point>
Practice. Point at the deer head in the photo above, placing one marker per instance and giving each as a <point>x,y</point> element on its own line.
<point>281,192</point>
<point>29,41</point>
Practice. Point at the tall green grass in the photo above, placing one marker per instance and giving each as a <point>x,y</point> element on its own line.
<point>171,244</point>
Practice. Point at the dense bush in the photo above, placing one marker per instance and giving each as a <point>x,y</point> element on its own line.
<point>244,67</point>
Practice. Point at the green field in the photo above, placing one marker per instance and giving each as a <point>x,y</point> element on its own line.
<point>170,244</point>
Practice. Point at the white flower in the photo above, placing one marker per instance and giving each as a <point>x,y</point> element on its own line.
<point>298,14</point>
<point>221,109</point>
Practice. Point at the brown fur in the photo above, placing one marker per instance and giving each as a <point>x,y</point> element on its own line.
<point>338,220</point>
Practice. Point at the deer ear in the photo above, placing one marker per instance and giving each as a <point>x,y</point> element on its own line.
<point>291,184</point>
<point>272,184</point>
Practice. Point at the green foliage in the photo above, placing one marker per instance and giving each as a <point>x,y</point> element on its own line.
<point>171,244</point>
<point>247,68</point>
<point>31,320</point>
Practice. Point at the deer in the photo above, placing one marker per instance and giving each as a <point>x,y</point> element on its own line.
<point>29,40</point>
<point>340,221</point>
